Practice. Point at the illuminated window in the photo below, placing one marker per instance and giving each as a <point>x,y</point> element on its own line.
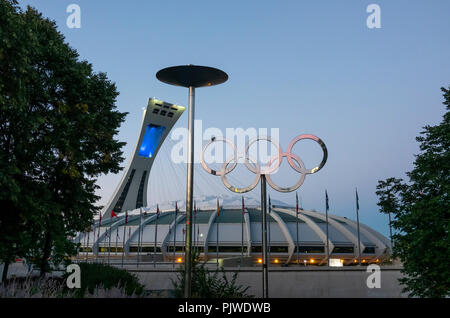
<point>151,140</point>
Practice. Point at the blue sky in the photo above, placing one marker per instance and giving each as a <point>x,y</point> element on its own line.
<point>301,66</point>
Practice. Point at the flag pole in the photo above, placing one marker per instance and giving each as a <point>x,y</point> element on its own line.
<point>390,223</point>
<point>117,241</point>
<point>124,233</point>
<point>109,244</point>
<point>175,235</point>
<point>87,246</point>
<point>242,232</point>
<point>139,238</point>
<point>93,238</point>
<point>326,211</point>
<point>197,232</point>
<point>156,235</point>
<point>98,234</point>
<point>194,227</point>
<point>357,221</point>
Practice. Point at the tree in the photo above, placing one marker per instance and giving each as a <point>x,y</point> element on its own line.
<point>58,121</point>
<point>422,212</point>
<point>389,192</point>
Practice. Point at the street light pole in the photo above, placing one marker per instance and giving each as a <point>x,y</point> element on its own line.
<point>189,192</point>
<point>190,76</point>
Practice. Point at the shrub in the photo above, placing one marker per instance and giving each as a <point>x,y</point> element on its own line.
<point>95,276</point>
<point>208,284</point>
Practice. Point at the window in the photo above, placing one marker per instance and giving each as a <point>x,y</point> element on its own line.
<point>151,140</point>
<point>226,249</point>
<point>310,249</point>
<point>163,113</point>
<point>145,249</point>
<point>170,114</point>
<point>198,249</point>
<point>112,249</point>
<point>256,249</point>
<point>279,249</point>
<point>369,250</point>
<point>343,249</point>
<point>155,111</point>
<point>177,248</point>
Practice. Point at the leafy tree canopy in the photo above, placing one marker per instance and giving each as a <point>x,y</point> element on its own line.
<point>58,121</point>
<point>422,212</point>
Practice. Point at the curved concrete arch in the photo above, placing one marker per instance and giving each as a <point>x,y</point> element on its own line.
<point>286,234</point>
<point>212,218</point>
<point>172,225</point>
<point>113,226</point>
<point>321,234</point>
<point>352,237</point>
<point>379,245</point>
<point>126,248</point>
<point>381,237</point>
<point>247,231</point>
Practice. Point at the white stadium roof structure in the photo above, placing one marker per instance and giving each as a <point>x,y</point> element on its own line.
<point>143,227</point>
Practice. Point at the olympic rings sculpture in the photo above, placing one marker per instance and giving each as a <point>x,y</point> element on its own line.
<point>253,166</point>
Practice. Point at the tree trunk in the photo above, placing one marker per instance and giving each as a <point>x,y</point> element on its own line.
<point>5,271</point>
<point>45,255</point>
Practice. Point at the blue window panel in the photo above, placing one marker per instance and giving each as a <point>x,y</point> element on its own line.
<point>151,140</point>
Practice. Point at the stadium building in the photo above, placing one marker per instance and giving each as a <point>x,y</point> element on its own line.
<point>130,229</point>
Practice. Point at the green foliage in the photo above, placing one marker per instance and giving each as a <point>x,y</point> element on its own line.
<point>103,276</point>
<point>422,213</point>
<point>58,120</point>
<point>207,284</point>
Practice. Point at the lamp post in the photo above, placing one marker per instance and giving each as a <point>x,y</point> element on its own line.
<point>190,76</point>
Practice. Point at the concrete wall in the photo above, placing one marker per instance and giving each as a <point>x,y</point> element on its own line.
<point>299,282</point>
<point>284,282</point>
